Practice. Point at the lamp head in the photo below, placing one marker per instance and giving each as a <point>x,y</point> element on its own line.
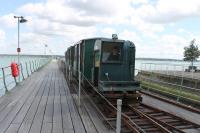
<point>22,20</point>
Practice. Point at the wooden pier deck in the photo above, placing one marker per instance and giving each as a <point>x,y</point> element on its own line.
<point>43,104</point>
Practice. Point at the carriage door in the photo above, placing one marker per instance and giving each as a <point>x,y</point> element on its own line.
<point>97,55</point>
<point>96,67</point>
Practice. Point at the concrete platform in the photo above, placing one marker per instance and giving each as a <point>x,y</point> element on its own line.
<point>183,113</point>
<point>43,103</point>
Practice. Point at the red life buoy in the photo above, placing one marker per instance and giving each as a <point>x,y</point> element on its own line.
<point>14,69</point>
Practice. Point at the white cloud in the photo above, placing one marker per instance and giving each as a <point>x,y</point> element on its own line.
<point>137,2</point>
<point>2,35</point>
<point>166,11</point>
<point>4,45</point>
<point>61,23</point>
<point>8,20</point>
<point>108,31</point>
<point>130,35</point>
<point>80,13</point>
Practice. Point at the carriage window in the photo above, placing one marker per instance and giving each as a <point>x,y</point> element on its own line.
<point>111,52</point>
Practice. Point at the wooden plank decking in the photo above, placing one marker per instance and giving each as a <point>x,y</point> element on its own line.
<point>42,103</point>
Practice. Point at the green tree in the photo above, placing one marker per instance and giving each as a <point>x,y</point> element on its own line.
<point>191,52</point>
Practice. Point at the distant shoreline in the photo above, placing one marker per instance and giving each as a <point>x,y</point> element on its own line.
<point>159,59</point>
<point>139,58</point>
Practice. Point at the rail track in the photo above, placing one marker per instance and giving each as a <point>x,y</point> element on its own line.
<point>142,118</point>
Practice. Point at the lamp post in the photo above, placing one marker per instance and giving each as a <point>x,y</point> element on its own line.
<point>20,19</point>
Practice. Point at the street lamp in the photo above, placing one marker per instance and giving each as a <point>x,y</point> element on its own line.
<point>20,19</point>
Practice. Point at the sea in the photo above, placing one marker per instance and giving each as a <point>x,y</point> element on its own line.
<point>5,62</point>
<point>140,64</point>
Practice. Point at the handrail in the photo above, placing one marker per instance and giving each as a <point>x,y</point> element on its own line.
<point>24,70</point>
<point>171,64</point>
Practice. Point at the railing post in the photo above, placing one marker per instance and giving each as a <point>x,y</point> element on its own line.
<point>22,71</point>
<point>79,79</point>
<point>27,70</point>
<point>192,73</point>
<point>174,70</point>
<point>30,66</point>
<point>182,78</point>
<point>150,68</point>
<point>119,108</point>
<point>33,66</point>
<point>19,78</point>
<point>37,64</point>
<point>4,80</point>
<point>167,69</point>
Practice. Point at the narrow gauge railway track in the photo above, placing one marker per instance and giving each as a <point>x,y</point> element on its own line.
<point>170,121</point>
<point>152,120</point>
<point>137,122</point>
<point>143,118</point>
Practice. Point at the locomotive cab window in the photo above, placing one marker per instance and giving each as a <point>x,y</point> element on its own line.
<point>111,52</point>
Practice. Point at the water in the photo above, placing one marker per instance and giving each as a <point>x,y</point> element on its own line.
<point>155,64</point>
<point>6,60</point>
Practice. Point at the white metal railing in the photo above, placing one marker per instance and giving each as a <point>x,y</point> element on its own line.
<point>171,69</point>
<point>7,81</point>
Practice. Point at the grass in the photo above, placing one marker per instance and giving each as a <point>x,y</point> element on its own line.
<point>177,92</point>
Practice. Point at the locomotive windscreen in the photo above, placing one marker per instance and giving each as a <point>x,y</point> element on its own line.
<point>111,52</point>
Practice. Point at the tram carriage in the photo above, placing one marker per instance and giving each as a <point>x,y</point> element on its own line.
<point>106,63</point>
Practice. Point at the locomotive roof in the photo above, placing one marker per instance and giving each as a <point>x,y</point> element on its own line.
<point>100,38</point>
<point>97,38</point>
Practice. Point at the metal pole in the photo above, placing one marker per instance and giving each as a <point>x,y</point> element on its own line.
<point>192,73</point>
<point>150,68</point>
<point>33,66</point>
<point>118,124</point>
<point>79,79</point>
<point>181,84</point>
<point>174,70</point>
<point>27,70</point>
<point>4,80</point>
<point>22,71</point>
<point>167,69</point>
<point>18,52</point>
<point>30,67</point>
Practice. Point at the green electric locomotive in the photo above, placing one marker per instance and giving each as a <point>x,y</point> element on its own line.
<point>108,64</point>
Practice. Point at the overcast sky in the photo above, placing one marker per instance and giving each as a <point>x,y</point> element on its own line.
<point>159,28</point>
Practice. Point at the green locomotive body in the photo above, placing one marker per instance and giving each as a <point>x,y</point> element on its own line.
<point>108,64</point>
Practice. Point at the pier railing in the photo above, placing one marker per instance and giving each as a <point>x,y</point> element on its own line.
<point>178,75</point>
<point>177,84</point>
<point>7,81</point>
<point>180,70</point>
